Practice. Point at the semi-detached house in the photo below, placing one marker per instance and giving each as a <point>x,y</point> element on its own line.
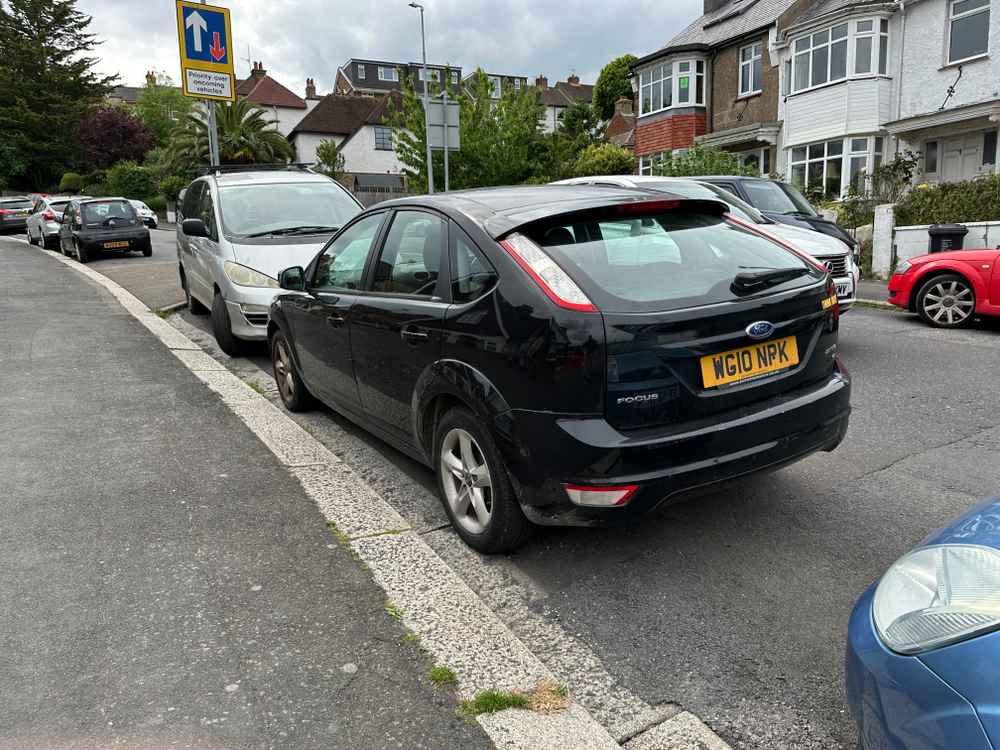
<point>715,82</point>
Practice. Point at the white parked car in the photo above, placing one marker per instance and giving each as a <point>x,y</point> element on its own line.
<point>829,251</point>
<point>146,214</point>
<point>46,216</point>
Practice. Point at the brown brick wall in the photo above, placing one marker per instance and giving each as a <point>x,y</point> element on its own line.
<point>676,131</point>
<point>726,87</point>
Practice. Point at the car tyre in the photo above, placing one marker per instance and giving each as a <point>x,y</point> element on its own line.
<point>223,330</point>
<point>193,304</point>
<point>31,240</point>
<point>81,252</point>
<point>475,487</point>
<point>294,394</point>
<point>947,301</point>
<point>147,249</point>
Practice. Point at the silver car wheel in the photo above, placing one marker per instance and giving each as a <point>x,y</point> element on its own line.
<point>465,476</point>
<point>949,302</point>
<point>283,371</point>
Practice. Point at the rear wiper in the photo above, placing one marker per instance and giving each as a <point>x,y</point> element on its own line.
<point>304,229</point>
<point>755,281</point>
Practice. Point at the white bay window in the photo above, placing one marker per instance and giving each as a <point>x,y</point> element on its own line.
<point>680,83</point>
<point>857,48</point>
<point>831,167</point>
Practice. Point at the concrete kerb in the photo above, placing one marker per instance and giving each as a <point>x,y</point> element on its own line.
<point>454,623</point>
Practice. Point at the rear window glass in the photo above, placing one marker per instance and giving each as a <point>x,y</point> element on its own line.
<point>10,205</point>
<point>101,212</point>
<point>59,205</point>
<point>662,261</point>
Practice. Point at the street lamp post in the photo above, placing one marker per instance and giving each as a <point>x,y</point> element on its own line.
<point>427,126</point>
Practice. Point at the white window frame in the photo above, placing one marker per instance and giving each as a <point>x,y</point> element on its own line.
<point>756,54</point>
<point>873,152</point>
<point>952,17</point>
<point>517,84</point>
<point>454,78</point>
<point>881,53</point>
<point>361,70</point>
<point>496,87</point>
<point>434,73</point>
<point>666,76</point>
<point>388,73</point>
<point>801,51</point>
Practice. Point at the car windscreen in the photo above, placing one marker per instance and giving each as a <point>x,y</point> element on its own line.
<point>768,196</point>
<point>102,211</point>
<point>663,261</point>
<point>737,208</point>
<point>139,205</point>
<point>798,199</point>
<point>285,208</point>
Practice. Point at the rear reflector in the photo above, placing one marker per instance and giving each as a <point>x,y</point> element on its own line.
<point>554,281</point>
<point>600,497</point>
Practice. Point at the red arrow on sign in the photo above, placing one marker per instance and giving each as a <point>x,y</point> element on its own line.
<point>217,50</point>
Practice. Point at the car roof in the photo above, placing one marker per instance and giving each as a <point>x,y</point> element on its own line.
<point>15,198</point>
<point>103,199</point>
<point>268,177</point>
<point>733,178</point>
<point>500,210</point>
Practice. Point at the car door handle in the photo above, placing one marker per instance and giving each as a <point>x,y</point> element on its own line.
<point>335,320</point>
<point>413,334</point>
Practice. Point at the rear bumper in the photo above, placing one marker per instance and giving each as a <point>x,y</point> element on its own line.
<point>544,452</point>
<point>9,225</point>
<point>137,238</point>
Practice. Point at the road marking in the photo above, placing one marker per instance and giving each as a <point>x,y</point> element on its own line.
<point>460,628</point>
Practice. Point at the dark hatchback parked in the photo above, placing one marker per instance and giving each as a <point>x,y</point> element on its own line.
<point>565,354</point>
<point>98,225</point>
<point>14,213</point>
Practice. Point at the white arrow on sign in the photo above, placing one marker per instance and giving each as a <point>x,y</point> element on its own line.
<point>198,24</point>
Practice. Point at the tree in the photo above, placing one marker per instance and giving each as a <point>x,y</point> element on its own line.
<point>111,134</point>
<point>330,160</point>
<point>245,137</point>
<point>47,84</point>
<point>614,82</point>
<point>160,106</point>
<point>701,160</point>
<point>129,180</point>
<point>501,140</point>
<point>604,158</point>
<point>579,127</point>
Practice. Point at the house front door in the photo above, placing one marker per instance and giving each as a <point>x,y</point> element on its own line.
<point>962,157</point>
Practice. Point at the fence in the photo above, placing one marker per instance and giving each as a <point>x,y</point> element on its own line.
<point>892,244</point>
<point>371,197</point>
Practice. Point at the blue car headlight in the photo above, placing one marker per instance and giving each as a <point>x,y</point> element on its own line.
<point>938,595</point>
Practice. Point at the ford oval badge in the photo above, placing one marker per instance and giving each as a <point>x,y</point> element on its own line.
<point>760,330</point>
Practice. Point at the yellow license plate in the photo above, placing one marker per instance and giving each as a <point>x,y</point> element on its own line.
<point>749,362</point>
<point>113,245</point>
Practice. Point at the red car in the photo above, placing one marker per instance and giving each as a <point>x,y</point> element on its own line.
<point>946,289</point>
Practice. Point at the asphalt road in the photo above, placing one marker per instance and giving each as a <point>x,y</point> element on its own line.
<point>735,605</point>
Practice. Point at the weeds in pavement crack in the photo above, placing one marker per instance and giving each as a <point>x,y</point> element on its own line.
<point>442,675</point>
<point>393,611</point>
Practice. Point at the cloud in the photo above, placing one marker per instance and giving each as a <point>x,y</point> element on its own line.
<point>299,39</point>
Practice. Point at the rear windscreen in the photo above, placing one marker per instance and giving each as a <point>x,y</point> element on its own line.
<point>662,261</point>
<point>15,205</point>
<point>101,212</point>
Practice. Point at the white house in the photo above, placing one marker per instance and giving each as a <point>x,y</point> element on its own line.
<point>861,81</point>
<point>557,98</point>
<point>357,124</point>
<point>285,107</point>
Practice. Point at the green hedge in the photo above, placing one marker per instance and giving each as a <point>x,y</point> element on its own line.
<point>157,203</point>
<point>71,183</point>
<point>974,200</point>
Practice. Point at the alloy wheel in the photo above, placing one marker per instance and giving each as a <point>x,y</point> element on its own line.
<point>949,302</point>
<point>283,371</point>
<point>465,476</point>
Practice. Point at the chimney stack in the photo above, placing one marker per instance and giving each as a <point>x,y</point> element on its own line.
<point>258,70</point>
<point>310,88</point>
<point>623,106</point>
<point>573,80</point>
<point>542,82</point>
<point>151,78</point>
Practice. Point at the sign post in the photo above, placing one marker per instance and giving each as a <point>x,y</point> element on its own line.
<point>443,134</point>
<point>205,39</point>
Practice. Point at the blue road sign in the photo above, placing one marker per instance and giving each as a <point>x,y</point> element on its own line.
<point>205,35</point>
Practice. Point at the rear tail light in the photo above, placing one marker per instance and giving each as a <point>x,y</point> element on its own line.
<point>4,212</point>
<point>554,281</point>
<point>646,207</point>
<point>49,216</point>
<point>600,497</point>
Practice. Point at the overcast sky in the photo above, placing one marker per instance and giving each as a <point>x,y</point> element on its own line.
<point>297,39</point>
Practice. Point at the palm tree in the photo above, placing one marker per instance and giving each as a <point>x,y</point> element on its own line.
<point>245,137</point>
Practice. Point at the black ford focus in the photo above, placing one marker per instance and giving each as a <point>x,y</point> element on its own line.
<point>565,354</point>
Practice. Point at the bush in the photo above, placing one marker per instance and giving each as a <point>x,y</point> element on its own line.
<point>701,160</point>
<point>71,182</point>
<point>604,158</point>
<point>157,203</point>
<point>95,190</point>
<point>129,180</point>
<point>171,186</point>
<point>973,200</point>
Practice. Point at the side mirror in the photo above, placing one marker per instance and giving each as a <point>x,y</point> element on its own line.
<point>293,279</point>
<point>194,228</point>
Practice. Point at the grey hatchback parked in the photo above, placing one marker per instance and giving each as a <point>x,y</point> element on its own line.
<point>240,227</point>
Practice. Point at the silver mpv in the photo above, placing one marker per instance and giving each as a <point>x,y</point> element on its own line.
<point>239,228</point>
